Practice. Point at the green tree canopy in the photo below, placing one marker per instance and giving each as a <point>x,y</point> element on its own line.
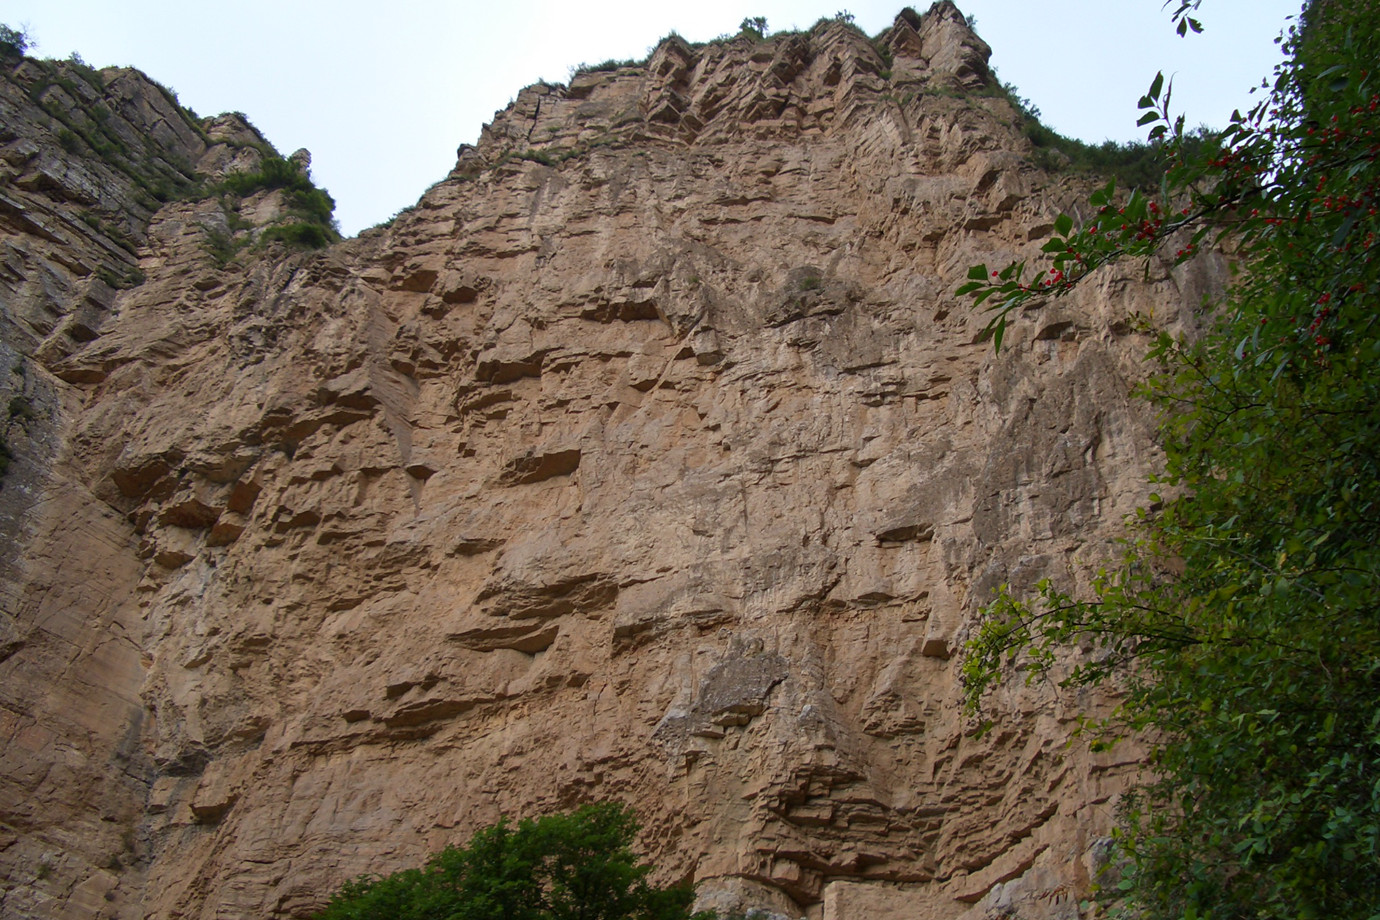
<point>577,866</point>
<point>14,43</point>
<point>1245,616</point>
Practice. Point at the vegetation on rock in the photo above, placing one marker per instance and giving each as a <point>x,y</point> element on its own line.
<point>577,866</point>
<point>73,96</point>
<point>310,209</point>
<point>1133,165</point>
<point>277,172</point>
<point>1243,622</point>
<point>609,65</point>
<point>14,43</point>
<point>82,115</point>
<point>753,27</point>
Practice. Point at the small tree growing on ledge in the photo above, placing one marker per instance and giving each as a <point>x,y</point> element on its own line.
<point>755,26</point>
<point>562,867</point>
<point>14,43</point>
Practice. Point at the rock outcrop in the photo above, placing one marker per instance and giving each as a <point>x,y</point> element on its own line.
<point>649,457</point>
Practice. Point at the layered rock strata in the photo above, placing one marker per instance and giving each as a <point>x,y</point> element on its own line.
<point>649,457</point>
<point>88,162</point>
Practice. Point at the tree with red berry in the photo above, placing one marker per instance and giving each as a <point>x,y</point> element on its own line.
<point>1244,620</point>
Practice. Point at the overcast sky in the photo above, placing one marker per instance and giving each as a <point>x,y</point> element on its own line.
<point>383,93</point>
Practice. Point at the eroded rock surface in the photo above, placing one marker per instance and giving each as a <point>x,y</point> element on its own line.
<point>649,457</point>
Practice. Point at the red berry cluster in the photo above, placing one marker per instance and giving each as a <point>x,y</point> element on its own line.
<point>1315,327</point>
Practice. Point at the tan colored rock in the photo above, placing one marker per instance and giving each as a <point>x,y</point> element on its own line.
<point>650,457</point>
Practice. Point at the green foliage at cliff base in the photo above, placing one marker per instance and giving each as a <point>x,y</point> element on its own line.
<point>577,866</point>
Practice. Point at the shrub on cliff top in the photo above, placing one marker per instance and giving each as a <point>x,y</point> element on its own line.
<point>753,27</point>
<point>309,204</point>
<point>562,867</point>
<point>604,66</point>
<point>13,42</point>
<point>297,233</point>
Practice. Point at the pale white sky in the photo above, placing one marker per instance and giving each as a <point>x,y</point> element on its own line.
<point>383,93</point>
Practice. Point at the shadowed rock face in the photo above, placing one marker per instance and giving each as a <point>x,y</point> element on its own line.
<point>649,457</point>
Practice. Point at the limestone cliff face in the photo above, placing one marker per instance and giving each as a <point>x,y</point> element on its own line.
<point>649,457</point>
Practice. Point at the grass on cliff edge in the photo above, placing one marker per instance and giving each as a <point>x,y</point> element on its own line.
<point>1134,165</point>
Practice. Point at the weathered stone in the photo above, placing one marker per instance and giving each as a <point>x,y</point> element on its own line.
<point>669,470</point>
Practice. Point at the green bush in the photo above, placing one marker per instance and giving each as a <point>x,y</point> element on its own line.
<point>222,246</point>
<point>753,27</point>
<point>273,172</point>
<point>309,236</point>
<point>13,42</point>
<point>1133,165</point>
<point>22,410</point>
<point>604,66</point>
<point>304,200</point>
<point>562,867</point>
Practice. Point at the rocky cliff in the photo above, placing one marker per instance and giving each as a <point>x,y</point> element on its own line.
<point>649,457</point>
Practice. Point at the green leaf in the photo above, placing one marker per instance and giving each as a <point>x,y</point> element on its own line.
<point>978,272</point>
<point>1239,630</point>
<point>1343,231</point>
<point>1063,225</point>
<point>1156,85</point>
<point>1136,207</point>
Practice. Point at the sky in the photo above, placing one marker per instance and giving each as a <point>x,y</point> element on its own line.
<point>382,94</point>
